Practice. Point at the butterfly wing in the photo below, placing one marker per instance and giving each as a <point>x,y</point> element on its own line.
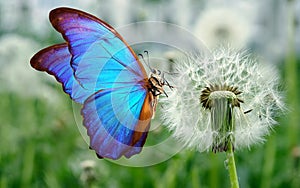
<point>139,136</point>
<point>55,60</point>
<point>117,116</point>
<point>97,49</point>
<point>115,122</point>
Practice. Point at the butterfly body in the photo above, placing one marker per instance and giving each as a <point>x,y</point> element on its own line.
<point>98,69</point>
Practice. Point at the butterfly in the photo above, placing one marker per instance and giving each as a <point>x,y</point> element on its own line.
<point>99,70</point>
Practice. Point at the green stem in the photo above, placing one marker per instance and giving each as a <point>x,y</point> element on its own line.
<point>292,79</point>
<point>222,118</point>
<point>269,162</point>
<point>231,167</point>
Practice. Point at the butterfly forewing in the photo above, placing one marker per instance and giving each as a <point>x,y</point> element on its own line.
<point>97,49</point>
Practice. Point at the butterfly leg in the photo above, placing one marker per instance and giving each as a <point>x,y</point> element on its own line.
<point>166,82</point>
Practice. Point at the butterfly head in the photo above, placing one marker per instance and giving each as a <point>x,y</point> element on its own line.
<point>157,81</point>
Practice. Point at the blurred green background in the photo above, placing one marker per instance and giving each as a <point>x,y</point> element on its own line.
<point>41,146</point>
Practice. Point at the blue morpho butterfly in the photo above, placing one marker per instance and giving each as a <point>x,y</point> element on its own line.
<point>98,69</point>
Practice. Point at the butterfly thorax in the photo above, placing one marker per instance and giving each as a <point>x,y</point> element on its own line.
<point>156,84</point>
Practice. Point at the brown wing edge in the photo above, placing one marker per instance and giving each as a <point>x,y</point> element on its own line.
<point>143,124</point>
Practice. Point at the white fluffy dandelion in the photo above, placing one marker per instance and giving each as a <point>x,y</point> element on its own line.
<point>16,75</point>
<point>224,25</point>
<point>222,97</point>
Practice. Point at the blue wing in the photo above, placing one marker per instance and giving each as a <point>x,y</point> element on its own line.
<point>56,61</point>
<point>101,59</point>
<point>117,116</point>
<point>113,120</point>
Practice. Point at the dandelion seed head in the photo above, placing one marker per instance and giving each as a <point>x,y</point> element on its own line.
<point>16,75</point>
<point>88,164</point>
<point>223,24</point>
<point>234,74</point>
<point>88,174</point>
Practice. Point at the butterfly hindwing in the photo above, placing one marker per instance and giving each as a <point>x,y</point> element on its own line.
<point>113,120</point>
<point>55,60</point>
<point>140,135</point>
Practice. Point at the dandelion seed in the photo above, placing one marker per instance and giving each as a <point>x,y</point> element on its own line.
<point>221,98</point>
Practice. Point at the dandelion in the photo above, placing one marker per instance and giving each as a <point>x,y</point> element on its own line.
<point>221,98</point>
<point>88,176</point>
<point>225,25</point>
<point>223,101</point>
<point>16,74</point>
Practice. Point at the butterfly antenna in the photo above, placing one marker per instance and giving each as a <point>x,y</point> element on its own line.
<point>145,62</point>
<point>141,55</point>
<point>148,61</point>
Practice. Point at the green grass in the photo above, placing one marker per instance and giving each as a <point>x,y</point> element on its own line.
<point>42,147</point>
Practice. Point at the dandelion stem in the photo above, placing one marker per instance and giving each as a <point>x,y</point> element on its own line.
<point>230,150</point>
<point>231,167</point>
<point>222,119</point>
<point>222,115</point>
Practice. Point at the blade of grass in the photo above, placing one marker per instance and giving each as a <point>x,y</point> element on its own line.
<point>269,162</point>
<point>28,165</point>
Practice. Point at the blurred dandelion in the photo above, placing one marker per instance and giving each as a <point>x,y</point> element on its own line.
<point>88,176</point>
<point>16,74</point>
<point>224,25</point>
<point>220,98</point>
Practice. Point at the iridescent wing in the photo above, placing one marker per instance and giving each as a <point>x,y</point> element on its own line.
<point>117,121</point>
<point>55,60</point>
<point>99,53</point>
<point>117,115</point>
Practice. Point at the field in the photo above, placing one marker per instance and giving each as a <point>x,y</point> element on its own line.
<point>44,144</point>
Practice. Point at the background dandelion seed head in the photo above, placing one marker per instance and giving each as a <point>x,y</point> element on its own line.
<point>16,75</point>
<point>224,24</point>
<point>190,121</point>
